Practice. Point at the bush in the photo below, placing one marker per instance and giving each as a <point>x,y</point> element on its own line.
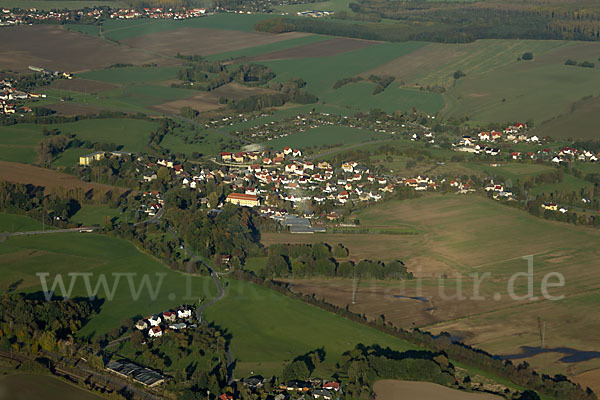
<point>527,56</point>
<point>570,62</point>
<point>459,74</point>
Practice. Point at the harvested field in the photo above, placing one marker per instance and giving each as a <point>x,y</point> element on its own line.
<point>82,85</point>
<point>48,178</point>
<point>52,47</point>
<point>589,379</point>
<point>68,108</point>
<point>203,41</point>
<point>324,48</point>
<point>207,101</point>
<point>396,390</point>
<point>471,239</point>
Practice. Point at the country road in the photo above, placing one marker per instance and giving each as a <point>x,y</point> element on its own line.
<point>3,235</point>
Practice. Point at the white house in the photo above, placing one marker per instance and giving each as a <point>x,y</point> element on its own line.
<point>155,331</point>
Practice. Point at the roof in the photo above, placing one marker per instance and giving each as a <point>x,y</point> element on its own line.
<point>242,196</point>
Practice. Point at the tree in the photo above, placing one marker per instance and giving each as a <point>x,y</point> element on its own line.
<point>459,74</point>
<point>527,56</point>
<point>295,370</point>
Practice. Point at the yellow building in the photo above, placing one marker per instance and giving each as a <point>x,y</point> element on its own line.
<point>87,159</point>
<point>240,199</point>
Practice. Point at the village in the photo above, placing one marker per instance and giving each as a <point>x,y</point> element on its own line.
<point>17,16</point>
<point>10,98</point>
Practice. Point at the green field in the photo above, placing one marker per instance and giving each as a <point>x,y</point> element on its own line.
<point>268,48</point>
<point>90,215</point>
<point>327,135</point>
<point>358,96</point>
<point>31,386</point>
<point>322,72</point>
<point>128,75</point>
<point>121,29</point>
<point>21,139</point>
<point>537,90</point>
<point>268,327</point>
<point>19,223</point>
<point>62,253</point>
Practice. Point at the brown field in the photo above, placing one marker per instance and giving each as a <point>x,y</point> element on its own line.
<point>82,85</point>
<point>203,41</point>
<point>48,178</point>
<point>589,379</point>
<point>461,236</point>
<point>319,49</point>
<point>399,390</point>
<point>68,108</point>
<point>50,46</point>
<point>208,101</point>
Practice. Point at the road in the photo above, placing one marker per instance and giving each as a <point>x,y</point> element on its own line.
<point>4,235</point>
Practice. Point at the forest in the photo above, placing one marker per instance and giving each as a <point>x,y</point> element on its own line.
<point>453,22</point>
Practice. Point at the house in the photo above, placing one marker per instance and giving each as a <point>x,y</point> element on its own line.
<point>184,313</point>
<point>169,316</point>
<point>141,325</point>
<point>154,320</point>
<point>226,156</point>
<point>245,200</point>
<point>155,331</point>
<point>177,327</point>
<point>225,396</point>
<point>550,206</point>
<point>331,386</point>
<point>287,150</point>
<point>322,394</point>
<point>484,136</point>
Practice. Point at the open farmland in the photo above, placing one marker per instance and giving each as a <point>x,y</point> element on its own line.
<point>203,41</point>
<point>327,135</point>
<point>48,178</point>
<point>268,327</point>
<point>521,90</point>
<point>323,48</point>
<point>256,51</point>
<point>22,46</point>
<point>435,63</point>
<point>82,85</point>
<point>261,339</point>
<point>122,75</point>
<point>131,134</point>
<point>397,390</point>
<point>580,121</point>
<point>31,386</point>
<point>207,101</point>
<point>463,235</point>
<point>119,29</point>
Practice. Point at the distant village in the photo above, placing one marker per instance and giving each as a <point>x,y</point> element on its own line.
<point>10,98</point>
<point>17,16</point>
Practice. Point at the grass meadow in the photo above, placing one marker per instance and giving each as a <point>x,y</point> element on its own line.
<point>18,142</point>
<point>267,328</point>
<point>327,135</point>
<point>129,75</point>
